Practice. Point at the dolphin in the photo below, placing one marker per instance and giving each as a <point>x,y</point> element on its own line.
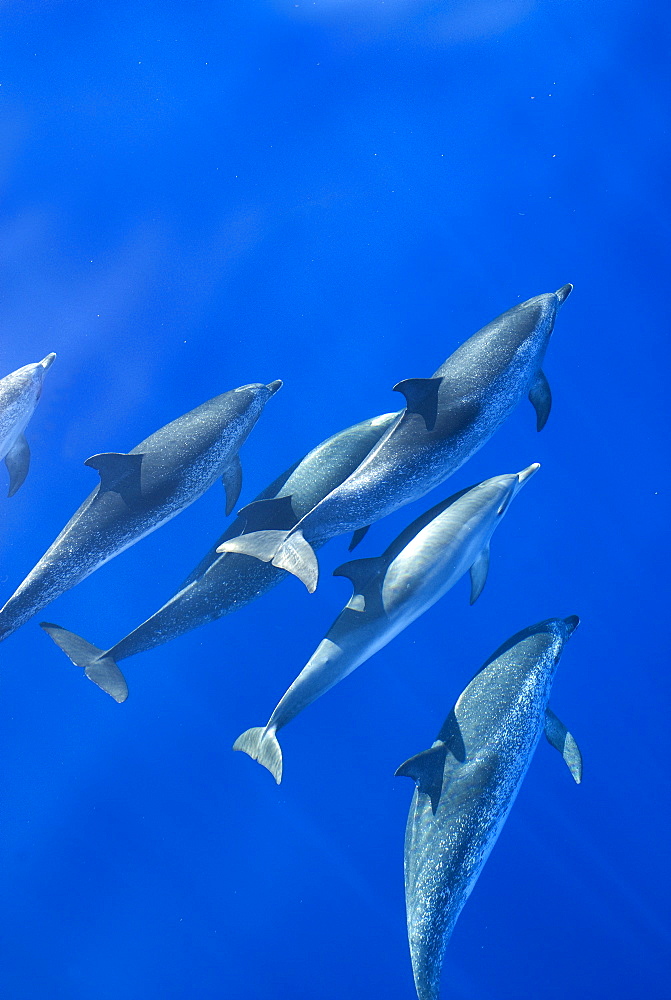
<point>390,592</point>
<point>446,419</point>
<point>467,782</point>
<point>140,491</point>
<point>19,395</point>
<point>222,583</point>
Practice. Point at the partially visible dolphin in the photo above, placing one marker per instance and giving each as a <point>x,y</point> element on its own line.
<point>140,491</point>
<point>390,592</point>
<point>468,780</point>
<point>19,395</point>
<point>222,583</point>
<point>447,418</point>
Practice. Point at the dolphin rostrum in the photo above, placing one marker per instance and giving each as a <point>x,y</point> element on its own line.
<point>390,592</point>
<point>226,582</point>
<point>446,419</point>
<point>467,782</point>
<point>19,395</point>
<point>140,491</point>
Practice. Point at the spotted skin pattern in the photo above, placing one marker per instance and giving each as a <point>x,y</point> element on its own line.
<point>174,467</point>
<point>482,755</point>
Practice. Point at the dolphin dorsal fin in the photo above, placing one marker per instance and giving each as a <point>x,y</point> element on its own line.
<point>559,737</point>
<point>426,769</point>
<point>360,571</point>
<point>275,514</point>
<point>421,396</point>
<point>119,473</point>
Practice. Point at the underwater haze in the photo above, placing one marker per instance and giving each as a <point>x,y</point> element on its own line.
<point>336,194</point>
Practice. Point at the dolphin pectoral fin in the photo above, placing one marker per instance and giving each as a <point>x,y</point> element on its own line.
<point>261,744</point>
<point>119,473</point>
<point>559,737</point>
<point>357,537</point>
<point>17,461</point>
<point>479,571</point>
<point>98,665</point>
<point>261,545</point>
<point>232,480</point>
<point>541,399</point>
<point>297,556</point>
<point>273,514</point>
<point>426,769</point>
<point>421,396</point>
<point>360,571</point>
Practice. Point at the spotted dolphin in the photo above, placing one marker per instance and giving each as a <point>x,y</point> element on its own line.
<point>225,582</point>
<point>141,490</point>
<point>447,418</point>
<point>467,782</point>
<point>19,395</point>
<point>390,592</point>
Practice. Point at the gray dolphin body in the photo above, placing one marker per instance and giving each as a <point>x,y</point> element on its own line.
<point>468,780</point>
<point>222,583</point>
<point>141,490</point>
<point>390,592</point>
<point>447,418</point>
<point>19,395</point>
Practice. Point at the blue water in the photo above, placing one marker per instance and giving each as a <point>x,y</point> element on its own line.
<point>336,194</point>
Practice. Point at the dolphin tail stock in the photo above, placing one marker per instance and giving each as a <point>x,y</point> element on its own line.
<point>98,665</point>
<point>262,744</point>
<point>287,550</point>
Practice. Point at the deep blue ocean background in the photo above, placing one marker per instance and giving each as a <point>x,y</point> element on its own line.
<point>335,193</point>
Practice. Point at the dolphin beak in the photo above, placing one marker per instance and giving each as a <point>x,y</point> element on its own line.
<point>527,473</point>
<point>274,386</point>
<point>48,361</point>
<point>563,293</point>
<point>572,623</point>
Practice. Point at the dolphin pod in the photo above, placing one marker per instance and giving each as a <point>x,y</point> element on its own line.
<point>468,779</point>
<point>390,592</point>
<point>467,782</point>
<point>20,392</point>
<point>138,492</point>
<point>446,420</point>
<point>226,582</point>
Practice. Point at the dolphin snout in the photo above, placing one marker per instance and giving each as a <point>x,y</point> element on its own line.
<point>527,473</point>
<point>572,623</point>
<point>563,293</point>
<point>274,386</point>
<point>48,361</point>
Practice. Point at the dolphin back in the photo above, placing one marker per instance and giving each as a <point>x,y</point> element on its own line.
<point>467,782</point>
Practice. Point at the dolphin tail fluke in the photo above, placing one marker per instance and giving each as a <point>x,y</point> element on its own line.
<point>297,556</point>
<point>261,545</point>
<point>262,744</point>
<point>287,550</point>
<point>98,665</point>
